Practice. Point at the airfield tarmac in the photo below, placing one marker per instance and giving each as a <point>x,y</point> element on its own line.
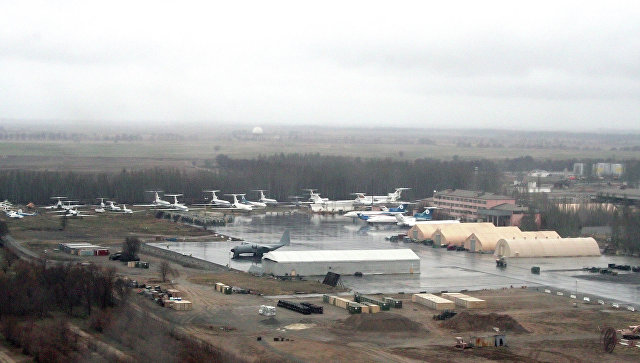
<point>439,269</point>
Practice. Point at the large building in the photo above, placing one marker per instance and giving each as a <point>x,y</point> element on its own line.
<point>464,204</point>
<point>547,247</point>
<point>344,262</point>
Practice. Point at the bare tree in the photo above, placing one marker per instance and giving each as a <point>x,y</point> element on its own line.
<point>130,248</point>
<point>165,269</point>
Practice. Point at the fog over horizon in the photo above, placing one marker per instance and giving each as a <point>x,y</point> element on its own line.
<point>570,66</point>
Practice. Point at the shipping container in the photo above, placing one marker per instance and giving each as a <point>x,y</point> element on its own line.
<point>373,308</point>
<point>182,305</point>
<point>471,303</point>
<point>433,301</point>
<point>385,306</point>
<point>341,302</point>
<point>294,306</point>
<point>315,309</point>
<point>395,303</point>
<point>354,307</point>
<point>174,293</point>
<point>102,252</point>
<point>466,301</point>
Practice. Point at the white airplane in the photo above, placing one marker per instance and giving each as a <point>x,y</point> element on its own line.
<point>244,201</point>
<point>383,211</point>
<point>6,205</point>
<point>112,207</point>
<point>73,212</point>
<point>157,202</point>
<point>125,210</point>
<point>215,201</point>
<point>13,214</point>
<point>177,205</point>
<point>25,214</point>
<point>315,197</point>
<point>264,199</point>
<point>411,221</point>
<point>379,199</point>
<point>101,206</point>
<point>236,205</point>
<point>58,204</point>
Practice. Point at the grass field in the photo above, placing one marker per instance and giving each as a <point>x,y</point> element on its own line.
<point>112,156</point>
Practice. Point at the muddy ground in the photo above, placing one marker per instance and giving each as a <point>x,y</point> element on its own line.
<point>548,328</point>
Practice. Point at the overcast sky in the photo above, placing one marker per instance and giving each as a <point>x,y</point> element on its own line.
<point>544,65</point>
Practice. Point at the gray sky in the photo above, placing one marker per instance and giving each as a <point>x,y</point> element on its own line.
<point>544,65</point>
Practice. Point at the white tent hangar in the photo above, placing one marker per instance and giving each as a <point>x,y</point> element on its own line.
<point>547,247</point>
<point>346,262</point>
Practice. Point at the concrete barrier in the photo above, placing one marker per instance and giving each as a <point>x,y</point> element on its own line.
<point>186,261</point>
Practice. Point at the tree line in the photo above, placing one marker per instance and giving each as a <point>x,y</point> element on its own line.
<point>283,175</point>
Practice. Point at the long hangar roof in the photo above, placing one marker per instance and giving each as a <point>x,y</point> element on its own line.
<point>403,254</point>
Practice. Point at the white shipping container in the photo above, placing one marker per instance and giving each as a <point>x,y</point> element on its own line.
<point>433,301</point>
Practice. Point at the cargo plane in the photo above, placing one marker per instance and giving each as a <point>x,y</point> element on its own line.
<point>259,249</point>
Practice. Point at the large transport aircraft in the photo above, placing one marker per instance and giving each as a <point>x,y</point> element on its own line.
<point>265,200</point>
<point>402,208</point>
<point>157,201</point>
<point>237,205</point>
<point>259,249</point>
<point>255,205</point>
<point>394,197</point>
<point>214,201</point>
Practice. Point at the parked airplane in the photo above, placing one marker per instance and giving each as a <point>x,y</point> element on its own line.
<point>411,221</point>
<point>157,202</point>
<point>6,205</point>
<point>125,210</point>
<point>73,212</point>
<point>101,206</point>
<point>264,199</point>
<point>383,210</point>
<point>236,205</point>
<point>215,201</point>
<point>177,205</point>
<point>379,199</point>
<point>258,249</point>
<point>58,205</point>
<point>25,214</point>
<point>244,201</point>
<point>13,214</point>
<point>315,197</point>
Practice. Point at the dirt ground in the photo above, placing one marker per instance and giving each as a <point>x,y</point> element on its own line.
<point>557,331</point>
<point>553,330</point>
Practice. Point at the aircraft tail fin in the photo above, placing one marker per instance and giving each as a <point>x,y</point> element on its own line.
<point>285,240</point>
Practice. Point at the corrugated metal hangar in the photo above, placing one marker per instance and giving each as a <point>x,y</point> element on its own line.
<point>344,262</point>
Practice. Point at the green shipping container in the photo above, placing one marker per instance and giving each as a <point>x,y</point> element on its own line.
<point>227,290</point>
<point>354,308</point>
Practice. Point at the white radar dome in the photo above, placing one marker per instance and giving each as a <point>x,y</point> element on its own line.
<point>257,130</point>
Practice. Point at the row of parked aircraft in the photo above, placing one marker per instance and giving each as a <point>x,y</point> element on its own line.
<point>70,208</point>
<point>397,215</point>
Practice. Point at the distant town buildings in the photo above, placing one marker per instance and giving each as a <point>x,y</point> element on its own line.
<point>607,169</point>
